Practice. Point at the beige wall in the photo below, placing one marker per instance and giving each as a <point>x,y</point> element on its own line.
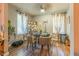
<point>70,29</point>
<point>49,19</point>
<point>41,19</point>
<point>12,15</point>
<point>68,15</point>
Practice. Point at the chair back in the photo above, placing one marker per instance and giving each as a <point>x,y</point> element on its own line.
<point>45,40</point>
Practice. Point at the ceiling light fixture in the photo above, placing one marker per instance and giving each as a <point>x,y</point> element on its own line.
<point>42,10</point>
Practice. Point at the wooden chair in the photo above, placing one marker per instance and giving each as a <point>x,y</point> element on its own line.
<point>45,41</point>
<point>30,41</point>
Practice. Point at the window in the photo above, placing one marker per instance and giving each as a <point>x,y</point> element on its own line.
<point>21,23</point>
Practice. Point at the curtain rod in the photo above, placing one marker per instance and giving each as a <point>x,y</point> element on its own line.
<point>19,11</point>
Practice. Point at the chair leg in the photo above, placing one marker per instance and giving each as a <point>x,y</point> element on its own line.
<point>27,45</point>
<point>48,49</point>
<point>32,47</point>
<point>41,49</point>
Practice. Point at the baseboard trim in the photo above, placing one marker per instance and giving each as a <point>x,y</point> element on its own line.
<point>6,54</point>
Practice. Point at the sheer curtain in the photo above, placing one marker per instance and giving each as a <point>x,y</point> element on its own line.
<point>21,23</point>
<point>24,25</point>
<point>58,23</point>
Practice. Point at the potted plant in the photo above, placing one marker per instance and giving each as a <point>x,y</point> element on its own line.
<point>11,29</point>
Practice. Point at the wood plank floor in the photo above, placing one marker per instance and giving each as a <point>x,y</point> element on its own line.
<point>57,49</point>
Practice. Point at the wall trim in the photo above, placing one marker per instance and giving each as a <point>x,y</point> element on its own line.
<point>6,54</point>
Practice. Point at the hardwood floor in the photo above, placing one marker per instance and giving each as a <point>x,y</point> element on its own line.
<point>57,49</point>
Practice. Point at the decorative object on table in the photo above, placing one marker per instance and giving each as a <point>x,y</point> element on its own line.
<point>45,34</point>
<point>40,31</point>
<point>45,27</point>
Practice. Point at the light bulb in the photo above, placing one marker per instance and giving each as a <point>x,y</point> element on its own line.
<point>42,10</point>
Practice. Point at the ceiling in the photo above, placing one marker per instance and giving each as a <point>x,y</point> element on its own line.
<point>34,8</point>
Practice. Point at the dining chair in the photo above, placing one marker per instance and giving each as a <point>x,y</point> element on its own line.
<point>45,41</point>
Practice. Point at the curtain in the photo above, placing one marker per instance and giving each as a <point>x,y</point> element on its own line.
<point>58,23</point>
<point>24,25</point>
<point>21,23</point>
